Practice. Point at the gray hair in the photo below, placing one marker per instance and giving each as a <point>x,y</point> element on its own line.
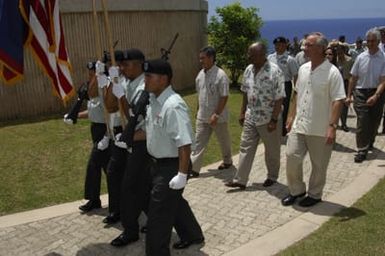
<point>321,40</point>
<point>375,32</point>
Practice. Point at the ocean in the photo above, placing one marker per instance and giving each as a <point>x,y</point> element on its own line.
<point>331,28</point>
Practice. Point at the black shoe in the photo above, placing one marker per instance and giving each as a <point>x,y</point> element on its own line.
<point>359,158</point>
<point>268,183</point>
<point>309,201</point>
<point>144,230</point>
<point>345,128</point>
<point>90,205</point>
<point>224,166</point>
<point>235,185</point>
<point>192,174</point>
<point>111,218</point>
<point>371,147</point>
<point>185,244</point>
<point>289,200</point>
<point>123,240</point>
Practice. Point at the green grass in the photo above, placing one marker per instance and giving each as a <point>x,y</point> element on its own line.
<point>43,161</point>
<point>358,230</point>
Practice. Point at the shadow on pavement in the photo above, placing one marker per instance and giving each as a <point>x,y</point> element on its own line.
<point>327,208</point>
<point>342,148</point>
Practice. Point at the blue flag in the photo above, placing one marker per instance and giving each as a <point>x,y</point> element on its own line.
<point>13,35</point>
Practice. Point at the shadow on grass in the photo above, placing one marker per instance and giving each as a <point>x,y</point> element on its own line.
<point>29,120</point>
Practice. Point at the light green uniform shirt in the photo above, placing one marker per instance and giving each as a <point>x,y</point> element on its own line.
<point>168,124</point>
<point>95,109</point>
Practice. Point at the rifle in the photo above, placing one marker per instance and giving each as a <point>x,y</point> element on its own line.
<point>82,95</point>
<point>165,52</point>
<point>139,108</point>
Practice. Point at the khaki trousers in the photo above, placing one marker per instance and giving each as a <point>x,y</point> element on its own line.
<point>297,147</point>
<point>251,135</point>
<point>202,137</point>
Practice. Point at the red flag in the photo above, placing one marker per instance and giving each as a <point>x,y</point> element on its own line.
<point>46,40</point>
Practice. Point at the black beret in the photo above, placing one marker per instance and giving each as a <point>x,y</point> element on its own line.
<point>279,39</point>
<point>133,54</point>
<point>118,56</point>
<point>158,66</point>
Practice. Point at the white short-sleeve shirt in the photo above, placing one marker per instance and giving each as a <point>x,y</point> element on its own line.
<point>316,90</point>
<point>286,63</point>
<point>168,124</point>
<point>211,86</point>
<point>262,89</point>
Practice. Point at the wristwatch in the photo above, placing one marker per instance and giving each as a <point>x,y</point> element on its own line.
<point>333,125</point>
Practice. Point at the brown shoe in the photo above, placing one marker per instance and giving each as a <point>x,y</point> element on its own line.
<point>224,166</point>
<point>235,185</point>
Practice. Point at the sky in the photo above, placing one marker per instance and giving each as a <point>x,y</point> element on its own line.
<point>310,9</point>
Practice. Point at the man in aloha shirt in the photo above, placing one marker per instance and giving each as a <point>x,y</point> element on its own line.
<point>263,92</point>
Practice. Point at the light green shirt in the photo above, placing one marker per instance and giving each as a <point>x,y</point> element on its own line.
<point>133,89</point>
<point>168,125</point>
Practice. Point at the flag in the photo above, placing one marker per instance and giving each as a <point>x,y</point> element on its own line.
<point>46,40</point>
<point>13,35</point>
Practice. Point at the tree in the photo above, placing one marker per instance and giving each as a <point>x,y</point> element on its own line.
<point>231,33</point>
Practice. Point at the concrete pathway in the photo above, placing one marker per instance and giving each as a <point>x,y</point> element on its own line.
<point>250,222</point>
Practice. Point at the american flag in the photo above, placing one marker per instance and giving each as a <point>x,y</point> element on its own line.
<point>46,40</point>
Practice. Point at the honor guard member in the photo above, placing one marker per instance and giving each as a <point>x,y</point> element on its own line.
<point>117,161</point>
<point>136,183</point>
<point>99,155</point>
<point>289,67</point>
<point>212,85</point>
<point>169,138</point>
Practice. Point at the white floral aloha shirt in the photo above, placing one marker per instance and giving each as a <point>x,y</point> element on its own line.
<point>262,89</point>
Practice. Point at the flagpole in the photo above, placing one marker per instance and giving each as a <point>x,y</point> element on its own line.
<point>99,56</point>
<point>112,54</point>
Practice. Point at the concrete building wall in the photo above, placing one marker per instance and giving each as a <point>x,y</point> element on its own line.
<point>146,24</point>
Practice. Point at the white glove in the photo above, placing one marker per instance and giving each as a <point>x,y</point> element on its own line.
<point>67,120</point>
<point>102,81</point>
<point>103,143</point>
<point>178,182</point>
<point>100,67</point>
<point>113,72</point>
<point>118,90</point>
<point>119,143</point>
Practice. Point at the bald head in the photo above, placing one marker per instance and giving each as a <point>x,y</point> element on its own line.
<point>257,54</point>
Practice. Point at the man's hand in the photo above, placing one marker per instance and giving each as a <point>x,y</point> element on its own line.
<point>289,123</point>
<point>271,126</point>
<point>331,135</point>
<point>113,72</point>
<point>103,143</point>
<point>372,100</point>
<point>179,181</point>
<point>213,120</point>
<point>348,101</point>
<point>118,90</point>
<point>102,81</point>
<point>67,120</point>
<point>100,67</point>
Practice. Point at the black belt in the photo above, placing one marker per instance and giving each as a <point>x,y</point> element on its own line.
<point>366,89</point>
<point>165,160</point>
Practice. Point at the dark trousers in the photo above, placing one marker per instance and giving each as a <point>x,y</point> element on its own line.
<point>97,161</point>
<point>286,105</point>
<point>368,118</point>
<point>345,109</point>
<point>136,186</point>
<point>115,172</point>
<point>168,208</point>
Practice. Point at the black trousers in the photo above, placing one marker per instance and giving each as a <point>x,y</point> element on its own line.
<point>115,172</point>
<point>368,118</point>
<point>136,186</point>
<point>345,109</point>
<point>286,104</point>
<point>168,208</point>
<point>97,161</point>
